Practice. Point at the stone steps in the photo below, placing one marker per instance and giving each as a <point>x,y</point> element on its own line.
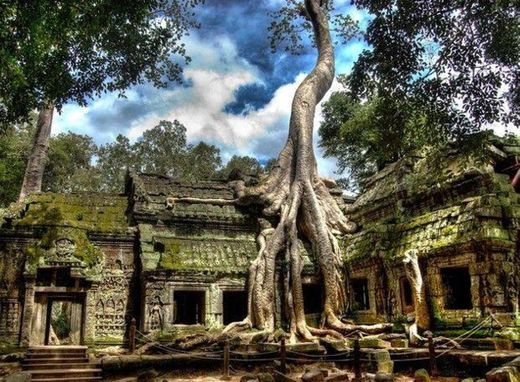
<point>60,363</point>
<point>47,360</point>
<point>52,365</point>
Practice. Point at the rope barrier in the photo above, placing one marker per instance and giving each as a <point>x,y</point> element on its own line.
<point>217,354</point>
<point>465,336</point>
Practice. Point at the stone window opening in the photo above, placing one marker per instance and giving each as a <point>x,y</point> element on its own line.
<point>360,294</point>
<point>234,306</point>
<point>312,298</point>
<point>158,247</point>
<point>189,307</point>
<point>457,288</point>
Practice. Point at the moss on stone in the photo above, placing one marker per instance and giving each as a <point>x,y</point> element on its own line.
<point>93,212</point>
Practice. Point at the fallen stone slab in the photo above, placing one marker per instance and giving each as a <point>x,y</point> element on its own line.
<point>422,375</point>
<point>337,377</point>
<point>280,377</point>
<point>510,372</point>
<point>313,375</point>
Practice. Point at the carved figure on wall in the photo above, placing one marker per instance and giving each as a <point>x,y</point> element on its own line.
<point>63,252</point>
<point>392,304</point>
<point>65,248</point>
<point>512,291</point>
<point>156,314</point>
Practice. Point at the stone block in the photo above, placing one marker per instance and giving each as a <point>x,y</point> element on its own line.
<point>373,343</point>
<point>503,344</point>
<point>386,367</point>
<point>510,334</point>
<point>337,345</point>
<point>18,377</point>
<point>399,343</point>
<point>382,355</point>
<point>313,375</point>
<point>264,377</point>
<point>337,377</point>
<point>515,362</point>
<point>248,378</point>
<point>279,377</point>
<point>504,374</point>
<point>147,376</point>
<point>422,375</point>
<point>384,377</point>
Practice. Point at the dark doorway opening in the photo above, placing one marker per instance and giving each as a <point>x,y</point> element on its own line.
<point>406,294</point>
<point>189,307</point>
<point>457,288</point>
<point>235,306</point>
<point>360,292</point>
<point>312,298</point>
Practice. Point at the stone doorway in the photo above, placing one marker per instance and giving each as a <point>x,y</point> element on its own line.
<point>190,307</point>
<point>64,323</point>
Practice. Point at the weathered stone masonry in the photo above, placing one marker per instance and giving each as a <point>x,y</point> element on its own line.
<point>181,265</point>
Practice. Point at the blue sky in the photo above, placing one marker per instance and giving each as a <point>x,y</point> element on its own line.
<point>237,94</point>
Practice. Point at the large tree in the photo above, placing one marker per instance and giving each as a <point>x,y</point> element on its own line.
<point>53,52</point>
<point>297,205</point>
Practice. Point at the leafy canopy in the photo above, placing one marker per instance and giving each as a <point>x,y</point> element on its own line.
<point>459,60</point>
<point>434,71</point>
<point>63,51</point>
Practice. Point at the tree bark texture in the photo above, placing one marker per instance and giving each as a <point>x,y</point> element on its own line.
<point>422,313</point>
<point>296,198</point>
<point>32,181</point>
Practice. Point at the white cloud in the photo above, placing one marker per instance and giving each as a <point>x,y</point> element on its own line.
<point>218,73</point>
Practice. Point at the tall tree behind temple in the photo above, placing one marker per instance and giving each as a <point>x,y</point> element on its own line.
<point>54,52</point>
<point>163,149</point>
<point>202,162</point>
<point>244,164</point>
<point>70,166</point>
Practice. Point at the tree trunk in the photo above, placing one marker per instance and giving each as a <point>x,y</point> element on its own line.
<point>422,313</point>
<point>32,181</point>
<point>301,204</point>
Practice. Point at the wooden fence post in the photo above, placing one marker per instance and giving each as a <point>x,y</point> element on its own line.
<point>131,336</point>
<point>357,361</point>
<point>431,351</point>
<point>225,371</point>
<point>283,357</point>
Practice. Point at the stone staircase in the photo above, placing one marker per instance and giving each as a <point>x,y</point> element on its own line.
<point>60,363</point>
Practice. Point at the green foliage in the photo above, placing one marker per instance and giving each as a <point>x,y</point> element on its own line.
<point>69,163</point>
<point>77,164</point>
<point>291,29</point>
<point>162,150</point>
<point>15,145</point>
<point>61,324</point>
<point>67,51</point>
<point>365,136</point>
<point>113,160</point>
<point>457,61</point>
<point>244,164</point>
<point>202,162</point>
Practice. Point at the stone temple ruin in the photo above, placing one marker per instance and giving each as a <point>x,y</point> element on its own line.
<point>75,268</point>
